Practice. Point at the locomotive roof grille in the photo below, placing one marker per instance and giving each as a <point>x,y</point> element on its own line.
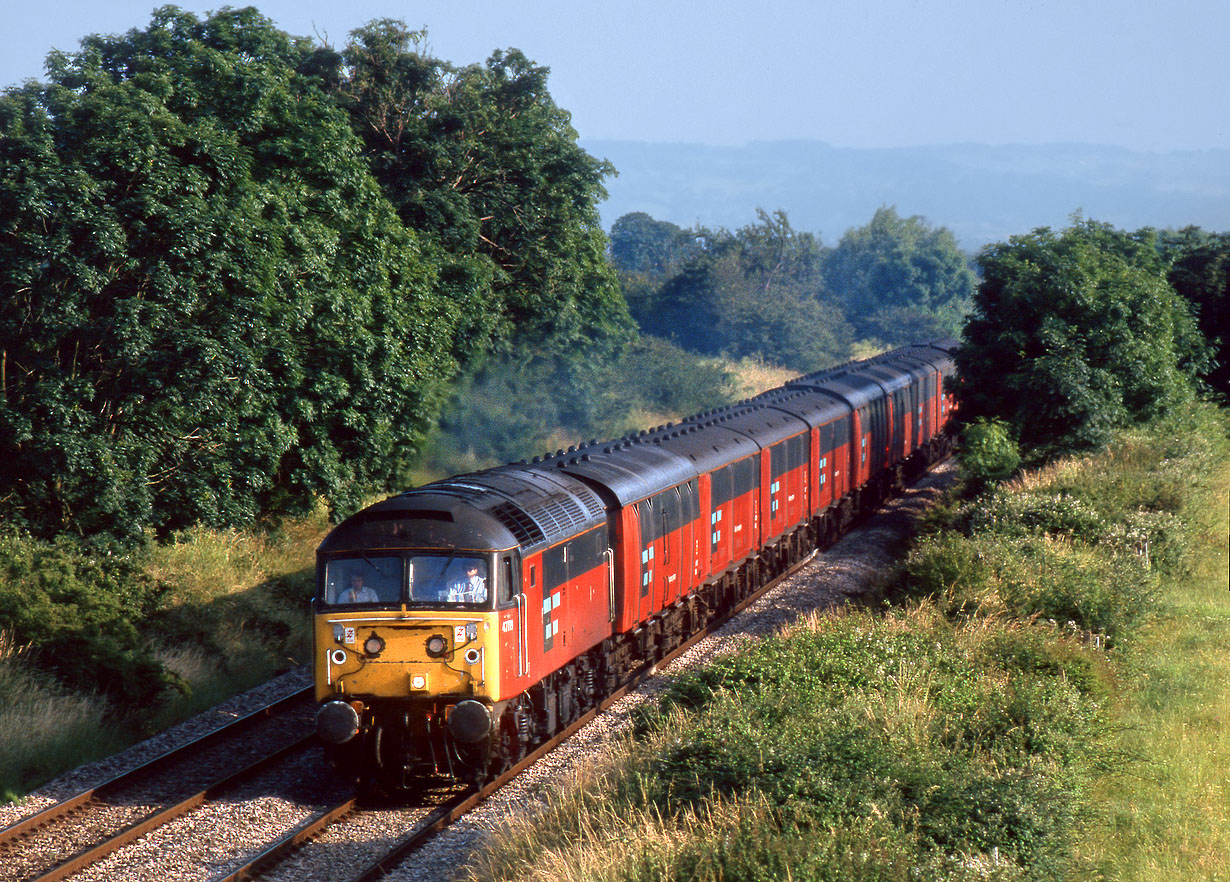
<point>523,527</point>
<point>563,515</point>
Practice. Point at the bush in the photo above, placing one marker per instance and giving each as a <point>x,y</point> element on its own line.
<point>851,747</point>
<point>1033,577</point>
<point>1037,513</point>
<point>80,612</point>
<point>988,453</point>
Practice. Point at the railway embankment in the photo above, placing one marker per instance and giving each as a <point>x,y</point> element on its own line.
<point>1041,696</point>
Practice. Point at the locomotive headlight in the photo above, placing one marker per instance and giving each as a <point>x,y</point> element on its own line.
<point>436,646</point>
<point>373,646</point>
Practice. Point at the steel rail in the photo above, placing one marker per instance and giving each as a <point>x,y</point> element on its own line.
<point>97,797</point>
<point>154,820</point>
<point>463,803</point>
<point>25,826</point>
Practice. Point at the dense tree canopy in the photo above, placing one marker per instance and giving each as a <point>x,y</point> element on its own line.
<point>483,160</point>
<point>209,308</point>
<point>642,244</point>
<point>1074,334</point>
<point>1201,273</point>
<point>755,292</point>
<point>900,280</point>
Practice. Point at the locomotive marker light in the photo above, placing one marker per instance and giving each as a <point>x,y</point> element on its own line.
<point>373,645</point>
<point>338,656</point>
<point>336,722</point>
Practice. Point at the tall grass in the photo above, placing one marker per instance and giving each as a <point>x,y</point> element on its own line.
<point>1170,818</point>
<point>43,727</point>
<point>233,612</point>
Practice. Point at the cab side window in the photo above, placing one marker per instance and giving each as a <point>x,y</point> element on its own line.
<point>507,584</point>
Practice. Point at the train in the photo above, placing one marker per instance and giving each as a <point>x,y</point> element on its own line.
<point>461,623</point>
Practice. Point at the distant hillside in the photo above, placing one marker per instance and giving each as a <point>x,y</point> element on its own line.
<point>983,194</point>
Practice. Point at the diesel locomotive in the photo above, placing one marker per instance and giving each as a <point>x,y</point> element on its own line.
<point>460,623</point>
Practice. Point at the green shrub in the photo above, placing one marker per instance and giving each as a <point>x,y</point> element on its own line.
<point>81,612</point>
<point>1033,577</point>
<point>855,716</point>
<point>988,453</point>
<point>1036,513</point>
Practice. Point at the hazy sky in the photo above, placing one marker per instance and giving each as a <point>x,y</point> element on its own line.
<point>1145,74</point>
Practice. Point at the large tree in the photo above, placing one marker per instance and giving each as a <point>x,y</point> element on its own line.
<point>900,280</point>
<point>208,309</point>
<point>1076,333</point>
<point>641,244</point>
<point>1201,273</point>
<point>482,159</point>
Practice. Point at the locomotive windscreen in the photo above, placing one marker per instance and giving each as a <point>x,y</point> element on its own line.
<point>364,580</point>
<point>421,580</point>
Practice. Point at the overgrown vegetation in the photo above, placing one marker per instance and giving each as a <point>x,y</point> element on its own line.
<point>960,734</point>
<point>116,647</point>
<point>1075,334</point>
<point>777,293</point>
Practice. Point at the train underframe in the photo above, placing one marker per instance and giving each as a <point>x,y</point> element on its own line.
<point>405,745</point>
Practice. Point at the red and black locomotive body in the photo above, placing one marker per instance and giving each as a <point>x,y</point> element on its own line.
<point>502,604</point>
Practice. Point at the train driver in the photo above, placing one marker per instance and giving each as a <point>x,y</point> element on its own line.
<point>471,589</point>
<point>358,592</point>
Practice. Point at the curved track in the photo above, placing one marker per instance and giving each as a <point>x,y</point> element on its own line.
<point>439,817</point>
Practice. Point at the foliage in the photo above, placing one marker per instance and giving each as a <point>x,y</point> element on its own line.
<point>1073,586</point>
<point>1201,273</point>
<point>641,245</point>
<point>988,453</point>
<point>44,728</point>
<point>1076,334</point>
<point>900,280</point>
<point>209,311</point>
<point>81,612</point>
<point>853,746</point>
<point>755,292</point>
<point>500,414</point>
<point>482,160</point>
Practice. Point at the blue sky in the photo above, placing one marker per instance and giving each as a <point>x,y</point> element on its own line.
<point>860,73</point>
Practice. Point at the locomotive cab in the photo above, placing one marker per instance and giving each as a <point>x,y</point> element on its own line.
<point>411,617</point>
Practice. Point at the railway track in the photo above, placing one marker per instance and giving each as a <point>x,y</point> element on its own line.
<point>435,819</point>
<point>66,838</point>
<point>314,833</point>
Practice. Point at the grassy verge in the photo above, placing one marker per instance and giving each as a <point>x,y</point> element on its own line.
<point>132,643</point>
<point>1004,720</point>
<point>1169,819</point>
